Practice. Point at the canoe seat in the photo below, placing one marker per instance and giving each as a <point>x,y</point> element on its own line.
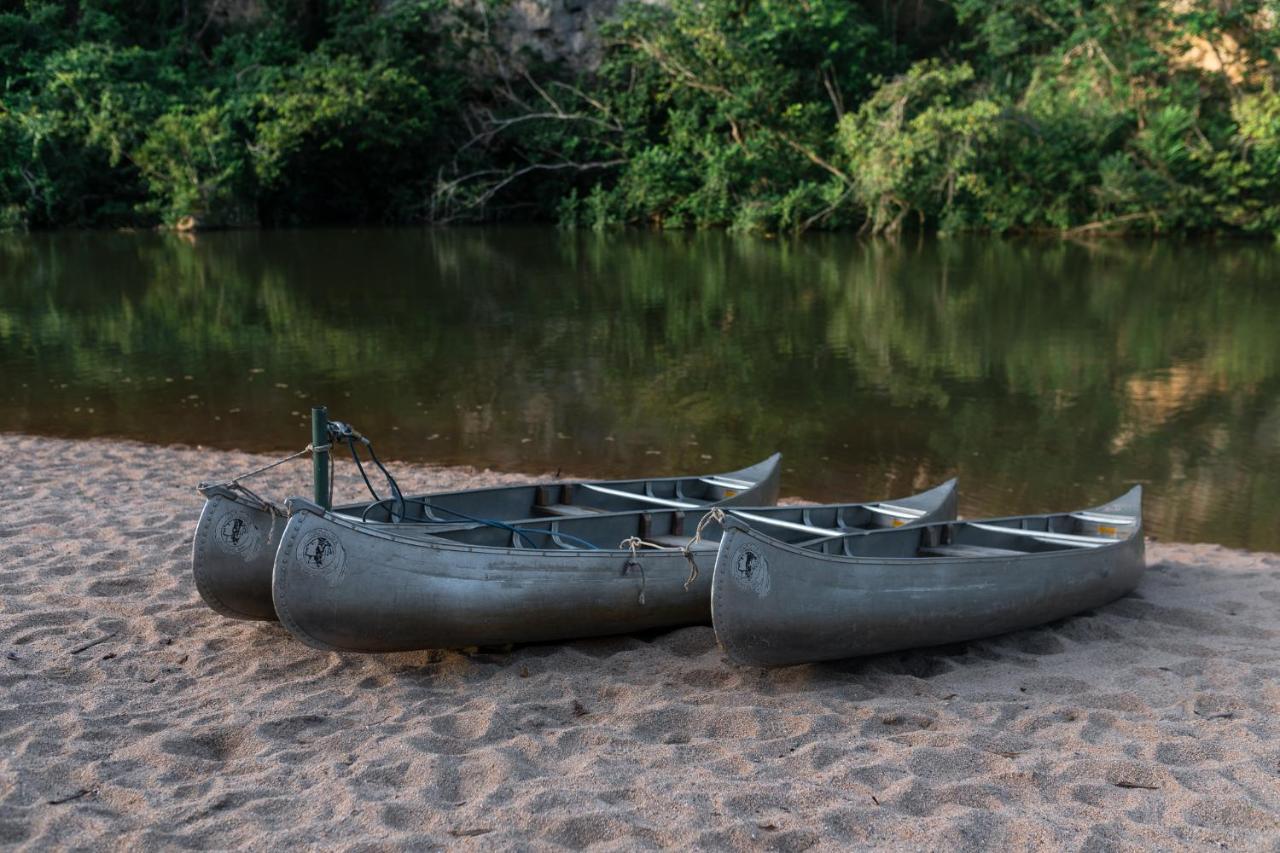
<point>567,510</point>
<point>968,551</point>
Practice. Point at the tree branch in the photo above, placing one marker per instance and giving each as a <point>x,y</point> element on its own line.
<point>447,191</point>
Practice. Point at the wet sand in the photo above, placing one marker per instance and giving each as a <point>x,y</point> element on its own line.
<point>133,716</point>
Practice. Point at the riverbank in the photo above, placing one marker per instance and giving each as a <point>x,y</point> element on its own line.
<point>131,711</point>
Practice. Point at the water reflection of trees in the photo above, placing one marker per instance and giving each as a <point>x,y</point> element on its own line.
<point>1044,373</point>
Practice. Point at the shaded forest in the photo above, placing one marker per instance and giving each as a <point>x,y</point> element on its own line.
<point>1112,116</point>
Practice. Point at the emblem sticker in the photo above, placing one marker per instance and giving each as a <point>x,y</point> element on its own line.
<point>236,534</point>
<point>321,552</point>
<point>751,570</point>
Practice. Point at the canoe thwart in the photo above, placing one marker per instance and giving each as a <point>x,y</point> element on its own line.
<point>896,511</point>
<point>968,551</point>
<point>647,499</point>
<point>1047,535</point>
<point>566,510</point>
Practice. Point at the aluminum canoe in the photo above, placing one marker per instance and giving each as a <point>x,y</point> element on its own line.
<point>237,535</point>
<point>340,584</point>
<point>775,603</point>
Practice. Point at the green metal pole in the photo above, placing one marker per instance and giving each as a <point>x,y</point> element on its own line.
<point>320,458</point>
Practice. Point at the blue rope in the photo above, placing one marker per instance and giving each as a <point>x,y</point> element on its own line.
<point>522,532</point>
<point>351,443</point>
<point>391,481</point>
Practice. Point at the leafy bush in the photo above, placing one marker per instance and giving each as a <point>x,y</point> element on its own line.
<point>915,146</point>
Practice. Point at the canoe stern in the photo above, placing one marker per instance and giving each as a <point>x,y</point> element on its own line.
<point>765,477</point>
<point>232,553</point>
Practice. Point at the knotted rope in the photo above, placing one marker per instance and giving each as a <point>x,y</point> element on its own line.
<point>715,514</point>
<point>635,543</point>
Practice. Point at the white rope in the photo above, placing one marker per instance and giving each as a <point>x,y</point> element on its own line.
<point>715,514</point>
<point>634,542</point>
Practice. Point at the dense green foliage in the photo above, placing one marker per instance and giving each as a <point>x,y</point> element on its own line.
<point>123,113</point>
<point>760,115</point>
<point>728,111</point>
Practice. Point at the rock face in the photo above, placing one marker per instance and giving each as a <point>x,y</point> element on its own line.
<point>556,30</point>
<point>550,30</point>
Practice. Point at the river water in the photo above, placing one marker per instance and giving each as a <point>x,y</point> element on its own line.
<point>1047,375</point>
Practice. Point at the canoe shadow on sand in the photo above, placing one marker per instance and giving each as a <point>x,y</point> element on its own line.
<point>1023,650</point>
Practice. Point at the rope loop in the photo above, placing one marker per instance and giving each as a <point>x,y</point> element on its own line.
<point>715,514</point>
<point>635,543</point>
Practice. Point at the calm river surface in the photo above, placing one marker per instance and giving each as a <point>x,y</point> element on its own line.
<point>1046,375</point>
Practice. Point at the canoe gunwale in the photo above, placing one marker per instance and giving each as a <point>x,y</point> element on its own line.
<point>733,523</point>
<point>737,524</point>
<point>298,505</point>
<point>765,486</point>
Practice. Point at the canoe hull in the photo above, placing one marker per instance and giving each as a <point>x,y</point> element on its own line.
<point>338,584</point>
<point>339,587</point>
<point>776,605</point>
<point>236,539</point>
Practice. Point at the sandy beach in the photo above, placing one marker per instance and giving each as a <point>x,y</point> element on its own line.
<point>132,716</point>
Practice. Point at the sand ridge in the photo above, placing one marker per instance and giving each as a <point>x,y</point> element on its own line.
<point>133,716</point>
